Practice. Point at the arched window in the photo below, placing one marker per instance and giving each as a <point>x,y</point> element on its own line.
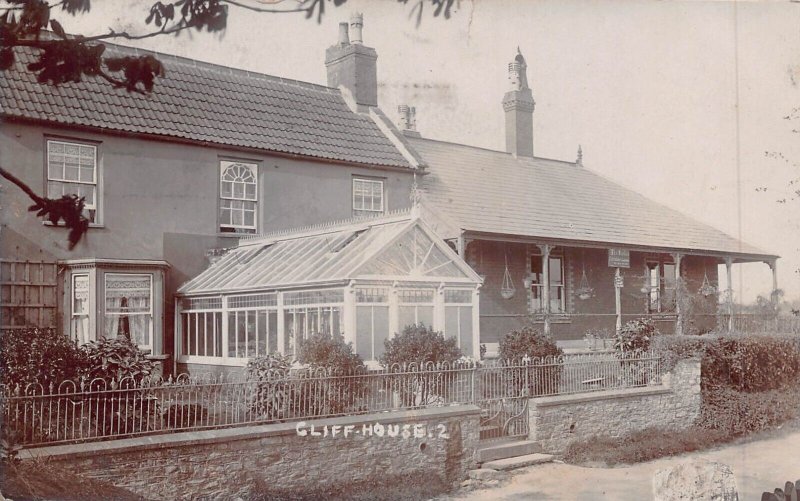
<point>238,191</point>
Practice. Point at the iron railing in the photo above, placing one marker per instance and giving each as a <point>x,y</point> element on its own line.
<point>759,324</point>
<point>99,409</point>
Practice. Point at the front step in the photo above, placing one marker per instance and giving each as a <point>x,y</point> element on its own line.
<point>518,462</point>
<point>507,449</point>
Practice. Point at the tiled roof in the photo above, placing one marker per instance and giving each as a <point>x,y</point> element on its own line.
<point>493,192</point>
<point>211,104</point>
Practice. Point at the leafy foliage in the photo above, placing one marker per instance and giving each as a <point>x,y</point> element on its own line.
<point>635,336</point>
<point>116,359</point>
<point>738,413</point>
<point>524,344</point>
<point>330,352</point>
<point>528,342</point>
<point>747,363</point>
<point>272,399</point>
<point>343,390</point>
<point>43,356</point>
<point>419,344</point>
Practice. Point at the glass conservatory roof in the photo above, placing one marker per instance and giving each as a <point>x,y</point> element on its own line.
<point>399,247</point>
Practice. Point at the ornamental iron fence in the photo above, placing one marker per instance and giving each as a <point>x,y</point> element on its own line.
<point>94,410</point>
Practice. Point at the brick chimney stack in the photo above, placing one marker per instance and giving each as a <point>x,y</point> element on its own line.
<point>518,104</point>
<point>352,64</point>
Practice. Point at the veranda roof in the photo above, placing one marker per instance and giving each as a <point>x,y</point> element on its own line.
<point>396,247</point>
<point>492,192</point>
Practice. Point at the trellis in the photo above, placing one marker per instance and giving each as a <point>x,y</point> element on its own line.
<point>28,293</point>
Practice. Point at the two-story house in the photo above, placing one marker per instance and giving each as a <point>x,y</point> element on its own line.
<point>218,158</point>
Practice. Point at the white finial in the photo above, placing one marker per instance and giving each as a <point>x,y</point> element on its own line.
<point>415,196</point>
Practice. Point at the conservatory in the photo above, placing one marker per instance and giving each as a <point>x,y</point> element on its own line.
<point>362,279</point>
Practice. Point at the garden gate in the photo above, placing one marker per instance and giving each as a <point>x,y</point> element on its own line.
<point>502,395</point>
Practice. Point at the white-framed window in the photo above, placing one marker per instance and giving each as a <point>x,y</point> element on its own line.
<point>252,325</point>
<point>129,307</point>
<point>458,317</point>
<point>367,196</point>
<point>79,319</point>
<point>311,312</point>
<point>662,284</point>
<point>372,321</point>
<point>238,193</point>
<point>558,303</point>
<point>416,307</point>
<point>201,322</point>
<point>72,170</point>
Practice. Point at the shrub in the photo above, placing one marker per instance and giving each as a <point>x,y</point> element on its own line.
<point>330,352</point>
<point>343,389</point>
<point>119,361</point>
<point>116,359</point>
<point>273,398</point>
<point>34,355</point>
<point>520,345</point>
<point>748,363</point>
<point>635,335</point>
<point>422,345</point>
<point>527,342</point>
<point>419,344</point>
<point>736,413</point>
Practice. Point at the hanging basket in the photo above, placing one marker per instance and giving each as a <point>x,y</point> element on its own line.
<point>507,289</point>
<point>707,289</point>
<point>584,292</point>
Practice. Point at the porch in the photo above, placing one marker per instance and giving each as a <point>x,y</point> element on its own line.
<point>581,293</point>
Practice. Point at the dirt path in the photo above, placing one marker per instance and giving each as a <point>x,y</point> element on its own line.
<point>758,466</point>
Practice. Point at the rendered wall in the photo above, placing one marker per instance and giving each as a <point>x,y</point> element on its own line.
<point>160,200</point>
<point>274,461</point>
<point>556,421</point>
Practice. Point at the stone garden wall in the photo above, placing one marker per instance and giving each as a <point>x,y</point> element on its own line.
<point>281,458</point>
<point>556,421</point>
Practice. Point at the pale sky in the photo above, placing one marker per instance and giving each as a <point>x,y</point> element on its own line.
<point>649,89</point>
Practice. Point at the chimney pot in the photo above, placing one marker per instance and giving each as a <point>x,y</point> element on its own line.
<point>408,117</point>
<point>357,24</point>
<point>344,37</point>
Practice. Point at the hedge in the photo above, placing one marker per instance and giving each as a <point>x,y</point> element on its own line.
<point>746,363</point>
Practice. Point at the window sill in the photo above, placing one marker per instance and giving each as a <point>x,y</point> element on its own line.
<point>663,316</point>
<point>555,318</point>
<point>91,225</point>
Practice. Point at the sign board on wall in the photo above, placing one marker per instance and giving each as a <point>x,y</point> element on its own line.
<point>619,258</point>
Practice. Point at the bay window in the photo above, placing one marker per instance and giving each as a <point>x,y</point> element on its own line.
<point>129,307</point>
<point>79,321</point>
